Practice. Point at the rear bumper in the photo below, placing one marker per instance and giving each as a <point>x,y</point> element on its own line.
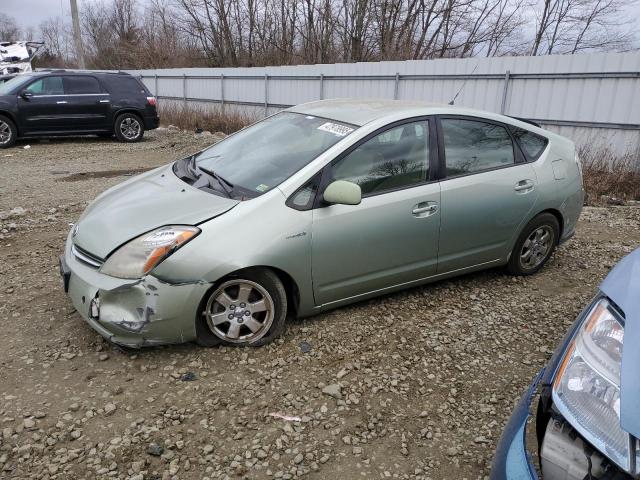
<point>132,313</point>
<point>512,461</point>
<point>151,122</point>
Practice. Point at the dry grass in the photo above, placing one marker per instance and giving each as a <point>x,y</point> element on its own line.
<point>610,175</point>
<point>214,119</point>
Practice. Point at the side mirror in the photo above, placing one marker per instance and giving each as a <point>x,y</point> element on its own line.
<point>26,95</point>
<point>343,193</point>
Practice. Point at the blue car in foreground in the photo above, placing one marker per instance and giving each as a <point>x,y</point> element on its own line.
<point>586,423</point>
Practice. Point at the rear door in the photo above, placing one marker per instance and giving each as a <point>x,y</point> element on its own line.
<point>487,192</point>
<point>41,105</point>
<point>88,105</point>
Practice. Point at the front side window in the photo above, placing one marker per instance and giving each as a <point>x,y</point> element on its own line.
<point>47,86</point>
<point>81,85</point>
<point>396,158</point>
<point>262,156</point>
<point>473,146</point>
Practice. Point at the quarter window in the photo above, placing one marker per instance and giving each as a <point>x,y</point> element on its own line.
<point>46,86</point>
<point>396,158</point>
<point>472,146</point>
<point>78,85</point>
<point>532,144</point>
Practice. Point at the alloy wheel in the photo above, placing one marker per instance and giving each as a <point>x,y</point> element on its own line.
<point>240,311</point>
<point>5,133</point>
<point>537,247</point>
<point>130,128</point>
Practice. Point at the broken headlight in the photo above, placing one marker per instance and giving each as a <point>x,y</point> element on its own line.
<point>586,388</point>
<point>139,256</point>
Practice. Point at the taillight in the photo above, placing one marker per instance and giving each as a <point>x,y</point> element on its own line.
<point>152,101</point>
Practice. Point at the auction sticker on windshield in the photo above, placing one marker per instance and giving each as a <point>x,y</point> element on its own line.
<point>336,129</point>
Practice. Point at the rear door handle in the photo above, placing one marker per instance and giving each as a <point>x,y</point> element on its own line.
<point>61,102</point>
<point>524,186</point>
<point>104,101</point>
<point>424,209</point>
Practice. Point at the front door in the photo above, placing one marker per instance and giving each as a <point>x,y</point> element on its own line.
<point>40,105</point>
<point>488,192</point>
<point>391,237</point>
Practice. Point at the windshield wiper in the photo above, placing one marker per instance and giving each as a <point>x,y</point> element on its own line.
<point>225,184</point>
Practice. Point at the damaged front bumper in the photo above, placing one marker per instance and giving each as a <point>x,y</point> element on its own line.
<point>512,461</point>
<point>131,313</point>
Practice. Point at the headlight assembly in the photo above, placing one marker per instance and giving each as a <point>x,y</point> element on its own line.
<point>586,388</point>
<point>139,256</point>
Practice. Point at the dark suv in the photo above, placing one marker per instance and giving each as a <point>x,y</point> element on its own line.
<point>61,102</point>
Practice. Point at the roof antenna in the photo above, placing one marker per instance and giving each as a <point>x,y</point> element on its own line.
<point>463,84</point>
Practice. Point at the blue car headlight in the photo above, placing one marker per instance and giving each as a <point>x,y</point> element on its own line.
<point>586,387</point>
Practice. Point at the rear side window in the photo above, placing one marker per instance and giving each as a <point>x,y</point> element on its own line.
<point>532,144</point>
<point>473,146</point>
<point>124,85</point>
<point>46,86</point>
<point>81,85</point>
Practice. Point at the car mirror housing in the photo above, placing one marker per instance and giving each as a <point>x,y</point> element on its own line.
<point>343,193</point>
<point>26,95</point>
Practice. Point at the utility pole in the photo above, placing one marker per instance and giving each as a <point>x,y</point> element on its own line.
<point>76,34</point>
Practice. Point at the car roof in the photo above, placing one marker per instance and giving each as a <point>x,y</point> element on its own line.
<point>362,111</point>
<point>63,71</point>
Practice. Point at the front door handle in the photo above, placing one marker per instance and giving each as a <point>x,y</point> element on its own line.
<point>524,186</point>
<point>61,102</point>
<point>104,101</point>
<point>424,209</point>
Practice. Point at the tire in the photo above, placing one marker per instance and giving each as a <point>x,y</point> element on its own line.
<point>227,317</point>
<point>8,132</point>
<point>535,245</point>
<point>129,128</point>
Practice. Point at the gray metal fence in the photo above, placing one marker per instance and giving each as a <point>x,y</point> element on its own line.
<point>593,99</point>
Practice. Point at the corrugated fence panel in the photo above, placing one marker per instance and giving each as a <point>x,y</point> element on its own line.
<point>592,98</point>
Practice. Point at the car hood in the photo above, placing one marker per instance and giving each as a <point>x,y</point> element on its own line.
<point>622,285</point>
<point>141,204</point>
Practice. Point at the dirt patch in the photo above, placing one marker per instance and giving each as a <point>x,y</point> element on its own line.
<point>426,378</point>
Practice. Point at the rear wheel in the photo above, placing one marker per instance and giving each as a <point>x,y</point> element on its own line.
<point>8,132</point>
<point>535,245</point>
<point>245,309</point>
<point>129,128</point>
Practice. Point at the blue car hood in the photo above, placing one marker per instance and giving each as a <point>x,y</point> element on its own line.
<point>622,285</point>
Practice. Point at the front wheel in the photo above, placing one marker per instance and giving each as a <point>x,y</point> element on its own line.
<point>129,128</point>
<point>8,132</point>
<point>535,245</point>
<point>245,309</point>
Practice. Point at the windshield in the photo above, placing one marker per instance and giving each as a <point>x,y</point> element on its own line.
<point>260,157</point>
<point>10,85</point>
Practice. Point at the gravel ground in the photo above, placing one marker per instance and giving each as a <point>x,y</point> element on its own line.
<point>413,385</point>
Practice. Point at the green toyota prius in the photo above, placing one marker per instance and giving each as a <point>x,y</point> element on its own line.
<point>318,206</point>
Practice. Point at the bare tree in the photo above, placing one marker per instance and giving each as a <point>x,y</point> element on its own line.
<point>176,33</point>
<point>9,30</point>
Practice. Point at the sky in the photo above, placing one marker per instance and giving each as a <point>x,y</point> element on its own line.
<point>30,13</point>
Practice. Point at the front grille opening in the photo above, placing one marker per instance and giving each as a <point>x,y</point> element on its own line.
<point>86,257</point>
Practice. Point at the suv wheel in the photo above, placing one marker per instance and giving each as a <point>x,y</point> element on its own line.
<point>8,132</point>
<point>129,128</point>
